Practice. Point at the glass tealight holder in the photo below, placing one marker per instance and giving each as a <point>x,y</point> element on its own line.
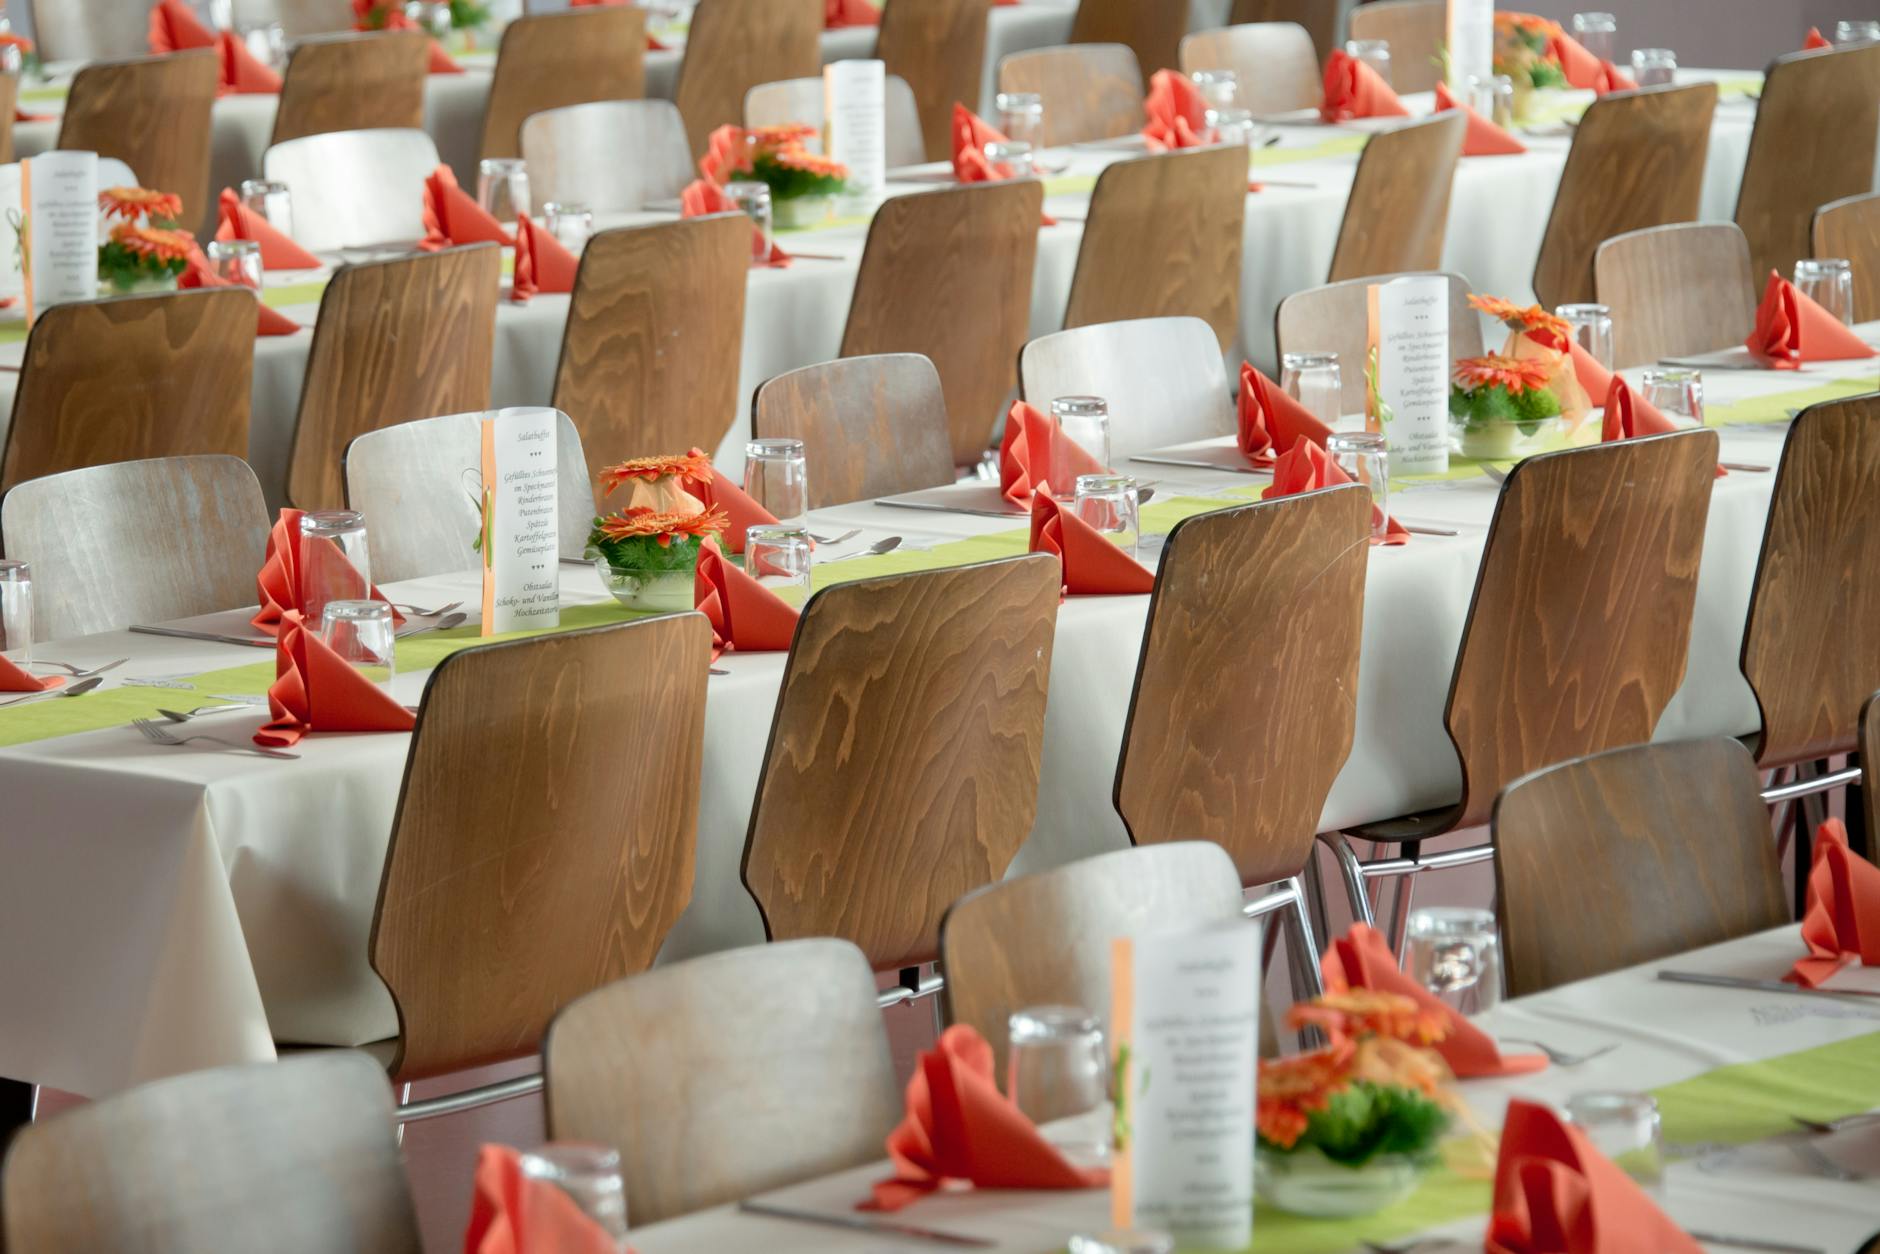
<point>1654,67</point>
<point>1314,380</point>
<point>272,201</point>
<point>267,43</point>
<point>1851,34</point>
<point>779,559</point>
<point>335,564</point>
<point>1109,504</point>
<point>1455,953</point>
<point>1085,421</point>
<point>361,632</point>
<point>1591,327</point>
<point>753,198</point>
<point>776,476</point>
<point>1829,282</point>
<point>1219,89</point>
<point>1626,1128</point>
<point>1677,392</point>
<point>236,261</point>
<point>503,188</point>
<point>1021,116</point>
<point>1493,98</point>
<point>1365,457</point>
<point>1598,33</point>
<point>1235,126</point>
<point>16,610</point>
<point>571,224</point>
<point>1009,158</point>
<point>431,16</point>
<point>1057,1067</point>
<point>1373,52</point>
<point>590,1176</point>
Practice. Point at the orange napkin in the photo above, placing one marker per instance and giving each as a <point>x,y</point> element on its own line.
<point>315,689</point>
<point>174,28</point>
<point>1556,1194</point>
<point>745,615</point>
<point>278,250</point>
<point>543,263</point>
<point>1178,116</point>
<point>279,581</point>
<point>849,13</point>
<point>1593,378</point>
<point>737,504</point>
<point>452,215</point>
<point>243,73</point>
<point>1361,959</point>
<point>1585,71</point>
<point>1034,444</point>
<point>198,274</point>
<point>726,154</point>
<point>1270,420</point>
<point>1628,414</point>
<point>514,1214</point>
<point>1483,138</point>
<point>970,137</point>
<point>1354,90</point>
<point>1307,467</point>
<point>1815,40</point>
<point>13,679</point>
<point>1091,565</point>
<point>1792,328</point>
<point>960,1127</point>
<point>702,196</point>
<point>1843,895</point>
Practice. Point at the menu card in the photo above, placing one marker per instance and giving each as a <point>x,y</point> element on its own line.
<point>59,191</point>
<point>1185,1031</point>
<point>855,111</point>
<point>1471,41</point>
<point>1406,372</point>
<point>521,506</point>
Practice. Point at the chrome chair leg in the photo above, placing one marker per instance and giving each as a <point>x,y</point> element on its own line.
<point>1304,944</point>
<point>1400,905</point>
<point>1353,873</point>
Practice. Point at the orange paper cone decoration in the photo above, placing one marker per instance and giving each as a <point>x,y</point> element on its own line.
<point>1815,40</point>
<point>1586,72</point>
<point>839,13</point>
<point>737,504</point>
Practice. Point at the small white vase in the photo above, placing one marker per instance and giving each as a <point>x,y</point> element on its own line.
<point>797,212</point>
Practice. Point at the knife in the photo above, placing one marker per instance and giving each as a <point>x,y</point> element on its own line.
<point>861,1223</point>
<point>1761,986</point>
<point>1198,465</point>
<point>178,633</point>
<point>1688,363</point>
<point>953,509</point>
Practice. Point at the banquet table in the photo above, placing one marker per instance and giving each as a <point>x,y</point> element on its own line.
<point>163,910</point>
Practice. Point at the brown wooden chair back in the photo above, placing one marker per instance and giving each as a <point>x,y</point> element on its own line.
<point>655,326</point>
<point>1637,160</point>
<point>1091,91</point>
<point>552,60</point>
<point>1335,319</point>
<point>1276,67</point>
<point>1850,229</point>
<point>9,102</point>
<point>1319,17</point>
<point>1152,29</point>
<point>152,113</point>
<point>1811,642</point>
<point>726,1076</point>
<point>1674,290</point>
<point>132,378</point>
<point>407,338</point>
<point>1163,240</point>
<point>939,47</point>
<point>933,254</point>
<point>1814,140</point>
<point>902,768</point>
<point>1398,211</point>
<point>297,1157</point>
<point>509,893</point>
<point>1249,664</point>
<point>732,46</point>
<point>1417,31</point>
<point>872,426</point>
<point>356,81</point>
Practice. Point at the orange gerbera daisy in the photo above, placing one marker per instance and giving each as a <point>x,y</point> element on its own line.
<point>1515,318</point>
<point>771,137</point>
<point>1362,1012</point>
<point>641,521</point>
<point>153,242</point>
<point>1517,374</point>
<point>9,40</point>
<point>131,203</point>
<point>1290,1089</point>
<point>1507,20</point>
<point>797,157</point>
<point>692,465</point>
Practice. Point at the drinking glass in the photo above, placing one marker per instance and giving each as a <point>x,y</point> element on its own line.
<point>1654,67</point>
<point>779,558</point>
<point>1829,282</point>
<point>334,562</point>
<point>503,187</point>
<point>1678,393</point>
<point>1009,154</point>
<point>16,610</point>
<point>1021,120</point>
<point>1085,421</point>
<point>236,261</point>
<point>271,201</point>
<point>267,43</point>
<point>1057,1067</point>
<point>1373,52</point>
<point>1596,32</point>
<point>1493,98</point>
<point>1108,503</point>
<point>1591,327</point>
<point>432,17</point>
<point>361,633</point>
<point>1313,380</point>
<point>1123,1241</point>
<point>1234,126</point>
<point>11,61</point>
<point>1455,952</point>
<point>1219,89</point>
<point>776,475</point>
<point>754,198</point>
<point>571,224</point>
<point>1847,34</point>
<point>1365,456</point>
<point>590,1176</point>
<point>219,14</point>
<point>1625,1128</point>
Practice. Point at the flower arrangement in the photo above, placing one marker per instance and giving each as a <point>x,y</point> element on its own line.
<point>775,156</point>
<point>1524,51</point>
<point>646,550</point>
<point>17,53</point>
<point>146,248</point>
<point>391,15</point>
<point>641,538</point>
<point>1498,389</point>
<point>1533,333</point>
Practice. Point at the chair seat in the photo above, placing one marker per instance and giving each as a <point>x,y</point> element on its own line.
<point>384,1052</point>
<point>1409,828</point>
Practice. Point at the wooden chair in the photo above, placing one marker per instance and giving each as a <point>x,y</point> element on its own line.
<point>1398,212</point>
<point>1637,161</point>
<point>1686,288</point>
<point>939,48</point>
<point>137,542</point>
<point>132,378</point>
<point>396,340</point>
<point>649,355</point>
<point>1163,240</point>
<point>1319,17</point>
<point>559,59</point>
<point>354,189</point>
<point>732,46</point>
<point>872,426</point>
<point>1091,91</point>
<point>1630,856</point>
<point>1152,29</point>
<point>409,480</point>
<point>1576,636</point>
<point>153,114</point>
<point>902,768</point>
<point>9,102</point>
<point>297,1157</point>
<point>1276,68</point>
<point>1814,139</point>
<point>728,1075</point>
<point>1043,939</point>
<point>89,30</point>
<point>1333,319</point>
<point>353,82</point>
<point>298,18</point>
<point>1163,377</point>
<point>1417,31</point>
<point>595,810</point>
<point>800,100</point>
<point>1850,229</point>
<point>612,156</point>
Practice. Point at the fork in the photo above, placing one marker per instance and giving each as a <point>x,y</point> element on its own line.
<point>157,734</point>
<point>1560,1057</point>
<point>1821,1164</point>
<point>77,672</point>
<point>416,612</point>
<point>845,536</point>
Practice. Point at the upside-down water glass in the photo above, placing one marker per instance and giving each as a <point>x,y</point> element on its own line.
<point>16,610</point>
<point>1829,282</point>
<point>1365,457</point>
<point>1085,421</point>
<point>236,261</point>
<point>779,559</point>
<point>503,188</point>
<point>1109,504</point>
<point>1314,380</point>
<point>1850,34</point>
<point>1373,52</point>
<point>571,224</point>
<point>1057,1067</point>
<point>1010,158</point>
<point>1677,392</point>
<point>776,476</point>
<point>1598,33</point>
<point>272,201</point>
<point>590,1176</point>
<point>335,564</point>
<point>1590,326</point>
<point>1455,952</point>
<point>753,198</point>
<point>1654,67</point>
<point>362,633</point>
<point>1626,1128</point>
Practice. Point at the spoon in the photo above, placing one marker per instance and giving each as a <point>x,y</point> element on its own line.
<point>78,689</point>
<point>443,624</point>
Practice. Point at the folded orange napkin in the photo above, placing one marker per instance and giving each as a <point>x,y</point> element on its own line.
<point>1307,467</point>
<point>737,504</point>
<point>1628,415</point>
<point>243,73</point>
<point>1361,959</point>
<point>1091,565</point>
<point>1556,1194</point>
<point>1792,328</point>
<point>1815,40</point>
<point>452,215</point>
<point>174,28</point>
<point>278,249</point>
<point>515,1214</point>
<point>1483,138</point>
<point>838,13</point>
<point>1035,447</point>
<point>315,689</point>
<point>702,196</point>
<point>745,615</point>
<point>278,584</point>
<point>970,137</point>
<point>1584,71</point>
<point>1842,918</point>
<point>960,1127</point>
<point>440,61</point>
<point>196,274</point>
<point>1354,90</point>
<point>1270,420</point>
<point>14,679</point>
<point>1178,116</point>
<point>727,154</point>
<point>543,263</point>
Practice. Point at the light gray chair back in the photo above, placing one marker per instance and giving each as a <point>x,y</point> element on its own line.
<point>613,156</point>
<point>1334,318</point>
<point>1163,377</point>
<point>355,189</point>
<point>801,100</point>
<point>90,30</point>
<point>298,18</point>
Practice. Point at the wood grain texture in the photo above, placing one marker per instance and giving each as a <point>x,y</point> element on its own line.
<point>137,542</point>
<point>947,274</point>
<point>939,47</point>
<point>1091,91</point>
<point>612,156</point>
<point>1674,290</point>
<point>507,894</point>
<point>1417,30</point>
<point>1630,856</point>
<point>557,59</point>
<point>649,356</point>
<point>131,378</point>
<point>1398,212</point>
<point>1637,161</point>
<point>871,426</point>
<point>1276,67</point>
<point>1163,239</point>
<point>206,1163</point>
<point>1334,319</point>
<point>1811,642</point>
<point>732,46</point>
<point>1814,139</point>
<point>800,100</point>
<point>298,18</point>
<point>9,102</point>
<point>1870,752</point>
<point>1152,29</point>
<point>902,768</point>
<point>356,81</point>
<point>152,113</point>
<point>1319,17</point>
<point>1245,699</point>
<point>89,30</point>
<point>728,1075</point>
<point>1850,229</point>
<point>1163,378</point>
<point>396,340</point>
